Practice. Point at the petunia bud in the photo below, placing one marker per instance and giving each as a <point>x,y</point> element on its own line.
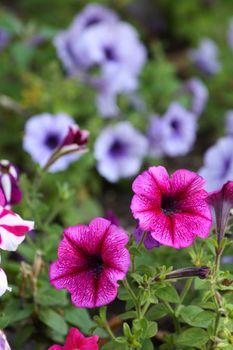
<point>75,136</point>
<point>3,342</point>
<point>222,202</point>
<point>201,272</point>
<point>9,178</point>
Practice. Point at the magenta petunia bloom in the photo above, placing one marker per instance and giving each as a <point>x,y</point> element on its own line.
<point>76,341</point>
<point>174,209</point>
<point>222,202</point>
<point>92,258</point>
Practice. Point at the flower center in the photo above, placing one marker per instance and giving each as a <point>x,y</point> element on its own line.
<point>92,21</point>
<point>110,55</point>
<point>117,149</point>
<point>168,205</point>
<point>96,264</point>
<point>175,125</point>
<point>52,141</point>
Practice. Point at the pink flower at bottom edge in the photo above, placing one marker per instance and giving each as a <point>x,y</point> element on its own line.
<point>92,258</point>
<point>175,209</point>
<point>76,341</point>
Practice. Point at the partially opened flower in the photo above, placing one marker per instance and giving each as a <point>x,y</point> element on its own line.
<point>178,130</point>
<point>77,341</point>
<point>205,57</point>
<point>218,164</point>
<point>9,182</point>
<point>44,133</point>
<point>92,258</point>
<point>149,241</point>
<point>119,151</point>
<point>222,202</point>
<point>199,95</point>
<point>3,286</point>
<point>174,209</point>
<point>3,342</point>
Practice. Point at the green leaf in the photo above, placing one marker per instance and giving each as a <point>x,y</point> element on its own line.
<point>168,293</point>
<point>22,335</point>
<point>156,312</point>
<point>53,320</point>
<point>79,318</point>
<point>195,316</point>
<point>152,329</point>
<point>4,321</point>
<point>15,312</point>
<point>194,337</point>
<point>128,315</point>
<point>147,345</point>
<point>51,297</point>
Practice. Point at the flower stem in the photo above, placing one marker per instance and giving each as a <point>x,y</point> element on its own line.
<point>133,296</point>
<point>141,240</point>
<point>173,316</point>
<point>185,291</point>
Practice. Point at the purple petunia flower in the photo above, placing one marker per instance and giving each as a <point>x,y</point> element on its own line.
<point>230,34</point>
<point>92,258</point>
<point>205,57</point>
<point>108,46</point>
<point>149,241</point>
<point>229,123</point>
<point>119,151</point>
<point>178,130</point>
<point>155,136</point>
<point>218,164</point>
<point>199,95</point>
<point>9,183</point>
<point>43,134</point>
<point>4,38</point>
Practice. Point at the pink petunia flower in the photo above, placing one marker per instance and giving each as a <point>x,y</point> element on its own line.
<point>76,340</point>
<point>12,227</point>
<point>222,202</point>
<point>92,258</point>
<point>174,209</point>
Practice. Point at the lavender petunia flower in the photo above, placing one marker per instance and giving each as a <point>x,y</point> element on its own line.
<point>205,57</point>
<point>230,34</point>
<point>199,95</point>
<point>149,241</point>
<point>155,136</point>
<point>66,42</point>
<point>4,38</point>
<point>3,342</point>
<point>108,46</point>
<point>43,134</point>
<point>218,164</point>
<point>119,151</point>
<point>178,130</point>
<point>229,123</point>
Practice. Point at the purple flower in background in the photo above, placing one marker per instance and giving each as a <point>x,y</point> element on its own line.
<point>43,134</point>
<point>155,136</point>
<point>230,34</point>
<point>9,183</point>
<point>178,130</point>
<point>106,46</point>
<point>119,151</point>
<point>111,216</point>
<point>227,259</point>
<point>4,38</point>
<point>199,95</point>
<point>229,123</point>
<point>67,41</point>
<point>149,241</point>
<point>205,57</point>
<point>218,164</point>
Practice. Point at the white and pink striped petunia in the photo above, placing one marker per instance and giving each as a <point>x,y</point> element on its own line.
<point>3,283</point>
<point>12,229</point>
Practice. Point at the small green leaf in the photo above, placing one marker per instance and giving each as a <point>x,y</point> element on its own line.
<point>79,318</point>
<point>156,312</point>
<point>152,329</point>
<point>168,293</point>
<point>53,320</point>
<point>195,316</point>
<point>194,337</point>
